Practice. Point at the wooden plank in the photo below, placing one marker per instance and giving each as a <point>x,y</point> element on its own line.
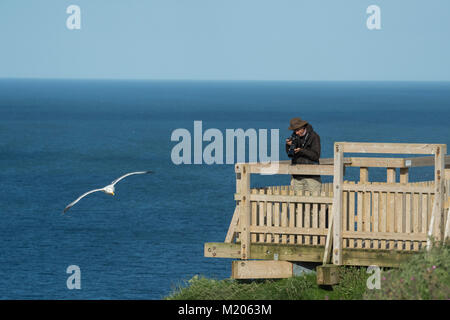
<point>424,213</point>
<point>307,217</point>
<point>363,174</point>
<point>382,216</point>
<point>447,174</point>
<point>367,209</point>
<point>283,231</point>
<point>375,216</point>
<point>351,209</point>
<point>245,212</point>
<point>447,226</point>
<point>328,242</point>
<point>315,218</point>
<point>286,198</point>
<point>426,161</point>
<point>390,175</point>
<point>255,269</point>
<point>398,217</point>
<point>291,217</point>
<point>231,234</point>
<point>276,215</point>
<point>387,188</point>
<point>284,219</point>
<point>262,215</point>
<point>439,178</point>
<point>322,218</point>
<point>416,210</point>
<point>404,175</point>
<point>381,258</point>
<point>287,168</point>
<point>386,236</point>
<point>269,216</point>
<point>345,216</point>
<point>300,217</point>
<point>376,162</point>
<point>408,212</point>
<point>338,181</point>
<point>390,211</point>
<point>393,148</point>
<point>360,215</point>
<point>253,220</point>
<point>264,251</point>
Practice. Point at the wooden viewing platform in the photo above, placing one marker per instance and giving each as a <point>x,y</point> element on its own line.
<point>359,223</point>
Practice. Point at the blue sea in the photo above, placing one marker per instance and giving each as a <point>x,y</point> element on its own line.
<point>61,138</point>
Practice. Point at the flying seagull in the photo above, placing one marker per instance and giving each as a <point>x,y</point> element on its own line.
<point>109,189</point>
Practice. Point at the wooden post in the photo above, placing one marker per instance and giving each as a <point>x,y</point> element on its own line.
<point>363,174</point>
<point>439,183</point>
<point>327,275</point>
<point>329,242</point>
<point>338,181</point>
<point>390,172</point>
<point>244,212</point>
<point>404,175</point>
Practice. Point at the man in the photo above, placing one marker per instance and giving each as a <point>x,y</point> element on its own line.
<point>305,149</point>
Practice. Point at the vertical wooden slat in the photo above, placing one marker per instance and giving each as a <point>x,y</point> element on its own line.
<point>307,217</point>
<point>375,218</point>
<point>390,172</point>
<point>424,214</point>
<point>382,217</point>
<point>323,209</point>
<point>408,210</point>
<point>425,205</point>
<point>398,217</point>
<point>351,209</point>
<point>284,219</point>
<point>345,213</point>
<point>315,218</point>
<point>363,174</point>
<point>269,215</point>
<point>416,211</point>
<point>254,205</point>
<point>367,218</point>
<point>390,216</point>
<point>291,216</point>
<point>360,215</point>
<point>404,175</point>
<point>262,215</point>
<point>276,215</point>
<point>300,217</point>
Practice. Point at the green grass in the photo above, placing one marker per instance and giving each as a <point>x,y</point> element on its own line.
<point>352,286</point>
<point>424,276</point>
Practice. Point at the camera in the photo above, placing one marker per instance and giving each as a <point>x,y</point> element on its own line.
<point>295,144</point>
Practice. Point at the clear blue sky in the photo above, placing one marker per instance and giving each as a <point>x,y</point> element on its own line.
<point>226,40</point>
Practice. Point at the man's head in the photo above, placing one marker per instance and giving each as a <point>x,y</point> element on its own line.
<point>298,126</point>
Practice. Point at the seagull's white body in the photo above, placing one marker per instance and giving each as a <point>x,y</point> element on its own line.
<point>109,189</point>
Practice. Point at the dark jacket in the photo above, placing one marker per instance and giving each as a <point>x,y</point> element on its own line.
<point>310,152</point>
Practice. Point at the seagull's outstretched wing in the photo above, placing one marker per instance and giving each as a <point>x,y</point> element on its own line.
<point>129,174</point>
<point>79,198</point>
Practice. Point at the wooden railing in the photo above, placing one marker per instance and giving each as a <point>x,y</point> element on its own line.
<point>387,215</point>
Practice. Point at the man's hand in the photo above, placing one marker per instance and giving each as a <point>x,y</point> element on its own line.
<point>288,142</point>
<point>296,150</point>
